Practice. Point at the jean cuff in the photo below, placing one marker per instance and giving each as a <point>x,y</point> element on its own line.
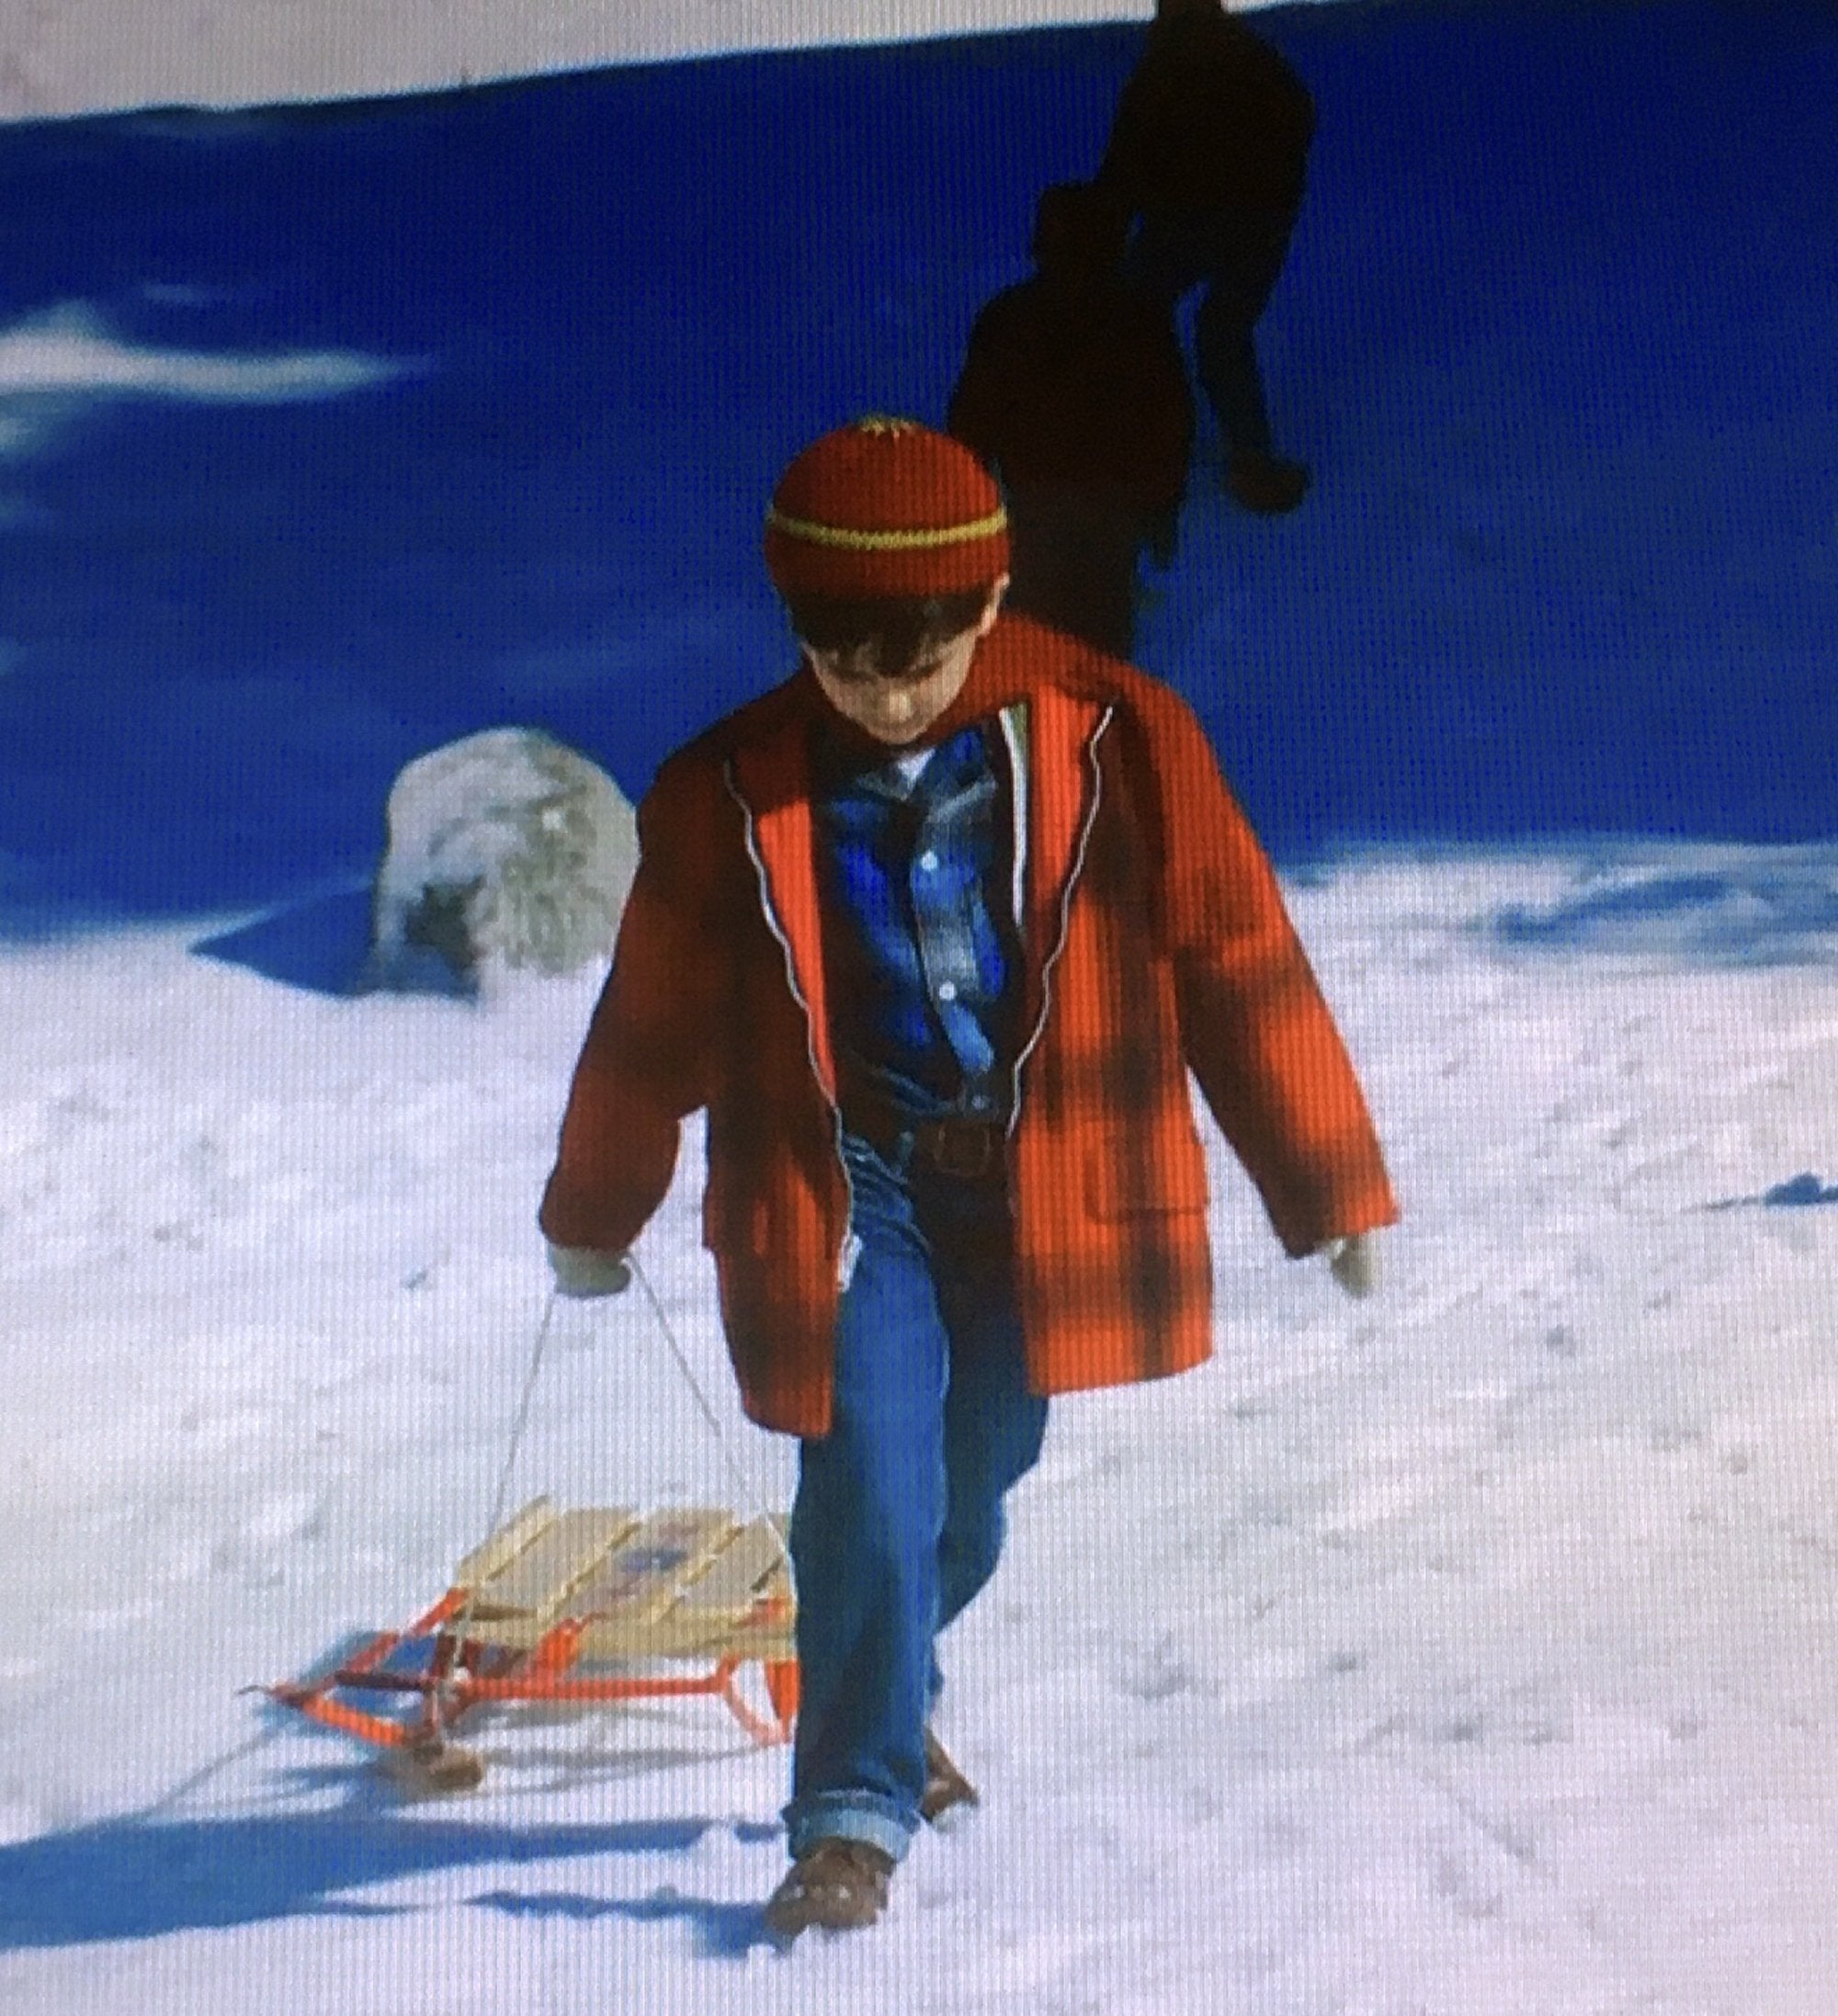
<point>851,1817</point>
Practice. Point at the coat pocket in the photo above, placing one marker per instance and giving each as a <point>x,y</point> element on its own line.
<point>1145,1168</point>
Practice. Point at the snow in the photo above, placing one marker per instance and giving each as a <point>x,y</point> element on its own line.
<point>1467,1649</point>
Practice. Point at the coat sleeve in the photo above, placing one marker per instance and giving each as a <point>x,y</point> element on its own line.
<point>1257,1033</point>
<point>645,1063</point>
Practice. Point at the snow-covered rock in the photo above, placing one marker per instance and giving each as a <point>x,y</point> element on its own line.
<point>505,847</point>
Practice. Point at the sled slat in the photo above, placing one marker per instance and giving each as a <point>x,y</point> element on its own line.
<point>493,1556</point>
<point>540,1580</point>
<point>639,1581</point>
<point>730,1586</point>
<point>680,1635</point>
<point>716,1613</point>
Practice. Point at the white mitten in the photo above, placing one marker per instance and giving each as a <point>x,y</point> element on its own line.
<point>1354,1262</point>
<point>583,1274</point>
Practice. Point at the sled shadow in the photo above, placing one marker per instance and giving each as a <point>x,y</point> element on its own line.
<point>130,1878</point>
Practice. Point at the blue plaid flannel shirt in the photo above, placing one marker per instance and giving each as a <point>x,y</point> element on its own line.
<point>919,934</point>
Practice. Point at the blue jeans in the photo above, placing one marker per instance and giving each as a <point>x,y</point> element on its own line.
<point>898,1519</point>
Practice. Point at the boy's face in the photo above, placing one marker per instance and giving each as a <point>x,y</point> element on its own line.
<point>898,705</point>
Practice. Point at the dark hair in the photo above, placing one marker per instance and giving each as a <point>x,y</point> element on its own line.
<point>900,630</point>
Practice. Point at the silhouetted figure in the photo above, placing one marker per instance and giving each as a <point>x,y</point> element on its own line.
<point>1074,391</point>
<point>1210,150</point>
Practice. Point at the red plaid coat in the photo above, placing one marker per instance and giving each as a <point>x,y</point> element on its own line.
<point>1155,942</point>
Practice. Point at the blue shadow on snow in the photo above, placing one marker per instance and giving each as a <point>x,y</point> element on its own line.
<point>1766,916</point>
<point>322,945</point>
<point>1802,1189</point>
<point>1796,1194</point>
<point>133,1879</point>
<point>724,1929</point>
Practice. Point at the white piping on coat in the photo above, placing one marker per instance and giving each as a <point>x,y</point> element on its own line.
<point>851,1250</point>
<point>1013,721</point>
<point>1058,945</point>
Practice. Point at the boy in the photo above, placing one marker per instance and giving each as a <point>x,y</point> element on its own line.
<point>934,931</point>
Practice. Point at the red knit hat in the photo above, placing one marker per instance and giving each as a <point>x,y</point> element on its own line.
<point>886,507</point>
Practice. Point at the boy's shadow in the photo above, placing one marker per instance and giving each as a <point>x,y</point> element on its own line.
<point>138,1875</point>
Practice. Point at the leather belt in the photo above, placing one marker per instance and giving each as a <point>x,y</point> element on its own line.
<point>962,1145</point>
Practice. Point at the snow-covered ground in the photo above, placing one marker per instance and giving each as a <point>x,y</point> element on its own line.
<point>1465,1653</point>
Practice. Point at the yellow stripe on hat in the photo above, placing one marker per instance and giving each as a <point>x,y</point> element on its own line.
<point>922,540</point>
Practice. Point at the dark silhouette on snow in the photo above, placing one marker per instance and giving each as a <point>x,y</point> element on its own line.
<point>1210,150</point>
<point>1075,393</point>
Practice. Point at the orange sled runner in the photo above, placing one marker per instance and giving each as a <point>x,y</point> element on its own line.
<point>552,1595</point>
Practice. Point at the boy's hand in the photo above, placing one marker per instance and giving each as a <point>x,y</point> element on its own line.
<point>583,1274</point>
<point>1354,1262</point>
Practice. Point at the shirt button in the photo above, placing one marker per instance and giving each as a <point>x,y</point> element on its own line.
<point>947,990</point>
<point>928,861</point>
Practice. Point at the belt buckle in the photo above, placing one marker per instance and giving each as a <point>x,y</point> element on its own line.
<point>963,1147</point>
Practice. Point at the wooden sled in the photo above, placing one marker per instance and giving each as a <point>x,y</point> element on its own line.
<point>553,1593</point>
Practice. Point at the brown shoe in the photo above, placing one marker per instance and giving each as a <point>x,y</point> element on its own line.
<point>946,1785</point>
<point>838,1885</point>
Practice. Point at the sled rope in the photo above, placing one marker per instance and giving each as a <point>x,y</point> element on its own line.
<point>523,1411</point>
<point>750,1499</point>
<point>437,1744</point>
<point>528,1646</point>
<point>518,1427</point>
